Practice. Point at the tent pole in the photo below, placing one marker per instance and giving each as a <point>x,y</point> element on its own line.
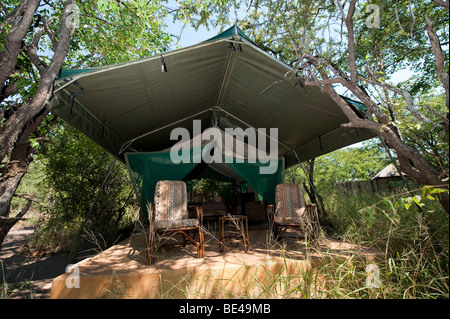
<point>225,77</point>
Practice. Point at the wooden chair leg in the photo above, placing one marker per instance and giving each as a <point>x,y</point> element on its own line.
<point>277,232</point>
<point>201,244</point>
<point>185,239</point>
<point>151,249</point>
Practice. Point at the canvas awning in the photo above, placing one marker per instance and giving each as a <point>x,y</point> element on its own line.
<point>226,81</point>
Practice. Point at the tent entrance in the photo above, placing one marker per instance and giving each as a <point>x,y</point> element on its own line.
<point>146,169</point>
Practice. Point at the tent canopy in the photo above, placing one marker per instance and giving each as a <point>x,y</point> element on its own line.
<point>226,81</point>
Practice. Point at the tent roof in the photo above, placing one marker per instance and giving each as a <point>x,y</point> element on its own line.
<point>388,171</point>
<point>226,80</point>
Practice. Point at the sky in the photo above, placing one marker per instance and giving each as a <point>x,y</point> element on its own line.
<point>190,36</point>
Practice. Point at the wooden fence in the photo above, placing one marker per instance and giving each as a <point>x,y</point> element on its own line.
<point>373,186</point>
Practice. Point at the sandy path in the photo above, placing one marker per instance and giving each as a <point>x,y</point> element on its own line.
<point>27,277</point>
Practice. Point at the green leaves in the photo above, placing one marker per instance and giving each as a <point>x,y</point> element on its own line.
<point>385,207</point>
<point>408,201</point>
<point>119,31</point>
<point>428,190</point>
<point>351,164</point>
<point>428,193</point>
<point>34,143</point>
<point>369,215</point>
<point>391,210</point>
<point>78,173</point>
<point>103,4</point>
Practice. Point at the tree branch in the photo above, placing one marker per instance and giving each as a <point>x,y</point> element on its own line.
<point>397,18</point>
<point>324,82</point>
<point>439,57</point>
<point>406,95</point>
<point>31,51</point>
<point>50,34</point>
<point>352,86</point>
<point>351,41</point>
<point>12,128</point>
<point>20,23</point>
<point>7,90</point>
<point>441,3</point>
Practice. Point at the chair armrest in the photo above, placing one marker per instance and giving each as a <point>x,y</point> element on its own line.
<point>199,211</point>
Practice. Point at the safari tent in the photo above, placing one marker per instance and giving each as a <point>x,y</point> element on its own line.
<point>130,109</point>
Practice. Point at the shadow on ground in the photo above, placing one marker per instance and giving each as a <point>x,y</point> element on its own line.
<point>26,276</point>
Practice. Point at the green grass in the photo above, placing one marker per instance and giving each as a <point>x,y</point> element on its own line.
<point>414,243</point>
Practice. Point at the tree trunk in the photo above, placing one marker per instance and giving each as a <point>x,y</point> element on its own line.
<point>16,168</point>
<point>15,133</point>
<point>7,223</point>
<point>314,196</point>
<point>411,162</point>
<point>13,172</point>
<point>10,131</point>
<point>20,21</point>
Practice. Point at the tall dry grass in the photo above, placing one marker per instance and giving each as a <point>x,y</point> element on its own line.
<point>412,259</point>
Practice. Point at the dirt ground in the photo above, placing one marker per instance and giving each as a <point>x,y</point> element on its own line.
<point>26,277</point>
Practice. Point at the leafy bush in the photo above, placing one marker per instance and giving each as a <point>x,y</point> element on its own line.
<point>88,195</point>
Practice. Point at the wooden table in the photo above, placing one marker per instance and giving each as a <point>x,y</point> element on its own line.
<point>233,229</point>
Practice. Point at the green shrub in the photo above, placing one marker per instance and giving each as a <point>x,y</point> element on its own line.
<point>89,193</point>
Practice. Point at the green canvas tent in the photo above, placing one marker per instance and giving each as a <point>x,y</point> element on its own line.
<point>134,106</point>
<point>226,81</point>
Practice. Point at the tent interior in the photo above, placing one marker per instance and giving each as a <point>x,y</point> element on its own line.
<point>227,162</point>
<point>131,110</point>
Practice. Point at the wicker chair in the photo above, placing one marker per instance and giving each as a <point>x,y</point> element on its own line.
<point>291,211</point>
<point>169,216</point>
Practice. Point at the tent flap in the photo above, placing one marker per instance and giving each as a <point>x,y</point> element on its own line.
<point>147,168</point>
